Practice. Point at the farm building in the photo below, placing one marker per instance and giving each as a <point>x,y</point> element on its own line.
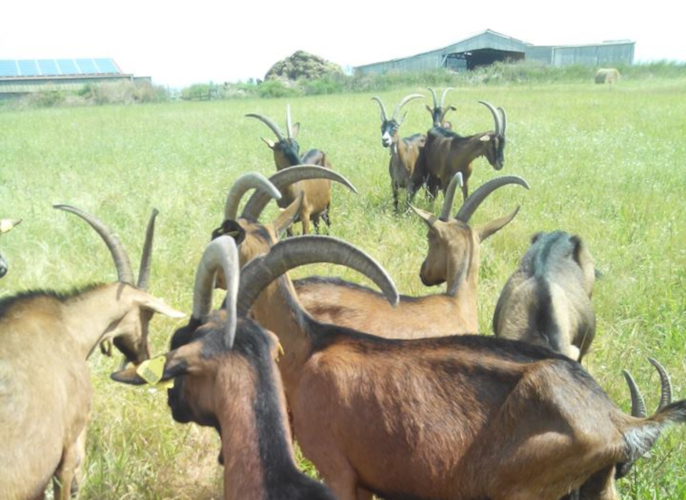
<point>24,76</point>
<point>489,47</point>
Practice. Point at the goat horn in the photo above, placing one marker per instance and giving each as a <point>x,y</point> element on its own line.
<point>220,253</point>
<point>503,121</point>
<point>433,93</point>
<point>638,405</point>
<point>121,258</point>
<point>269,123</point>
<point>405,100</point>
<point>244,183</point>
<point>289,123</point>
<point>477,197</point>
<point>303,250</point>
<point>146,258</point>
<point>496,117</point>
<point>445,92</point>
<point>449,197</point>
<point>284,178</point>
<point>384,115</point>
<point>665,384</point>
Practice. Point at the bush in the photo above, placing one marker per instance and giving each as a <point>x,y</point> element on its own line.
<point>277,88</point>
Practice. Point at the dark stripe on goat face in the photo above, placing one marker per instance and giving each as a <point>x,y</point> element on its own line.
<point>288,150</point>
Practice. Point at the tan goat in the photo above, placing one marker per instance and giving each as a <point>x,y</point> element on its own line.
<point>547,300</point>
<point>452,418</point>
<point>453,257</point>
<point>45,389</point>
<point>404,152</point>
<point>317,192</point>
<point>447,153</point>
<point>226,377</point>
<point>607,75</point>
<point>6,225</point>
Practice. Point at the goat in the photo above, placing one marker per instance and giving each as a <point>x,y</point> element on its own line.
<point>547,300</point>
<point>317,192</point>
<point>607,75</point>
<point>45,389</point>
<point>404,152</point>
<point>439,110</point>
<point>225,376</point>
<point>6,225</point>
<point>452,257</point>
<point>447,153</point>
<point>455,418</point>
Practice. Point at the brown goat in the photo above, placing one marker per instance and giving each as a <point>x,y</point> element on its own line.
<point>452,257</point>
<point>547,301</point>
<point>447,153</point>
<point>317,192</point>
<point>455,418</point>
<point>6,225</point>
<point>45,388</point>
<point>226,377</point>
<point>404,152</point>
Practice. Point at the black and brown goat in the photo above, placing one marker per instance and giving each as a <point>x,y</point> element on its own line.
<point>452,418</point>
<point>439,109</point>
<point>453,257</point>
<point>404,151</point>
<point>317,192</point>
<point>446,153</point>
<point>547,300</point>
<point>45,389</point>
<point>225,376</point>
<point>6,225</point>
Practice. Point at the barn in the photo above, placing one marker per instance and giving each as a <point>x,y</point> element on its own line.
<point>489,47</point>
<point>24,76</point>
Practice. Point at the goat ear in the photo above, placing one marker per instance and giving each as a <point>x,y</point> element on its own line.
<point>495,225</point>
<point>288,215</point>
<point>268,142</point>
<point>295,129</point>
<point>585,260</point>
<point>427,217</point>
<point>429,109</point>
<point>154,304</point>
<point>535,237</point>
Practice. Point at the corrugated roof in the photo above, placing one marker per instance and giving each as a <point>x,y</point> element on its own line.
<point>42,68</point>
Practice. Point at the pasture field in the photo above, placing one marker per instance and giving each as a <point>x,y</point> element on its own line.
<point>607,163</point>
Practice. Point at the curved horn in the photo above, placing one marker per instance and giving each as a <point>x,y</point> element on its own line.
<point>289,124</point>
<point>665,384</point>
<point>433,93</point>
<point>384,115</point>
<point>638,405</point>
<point>146,258</point>
<point>496,117</point>
<point>405,100</point>
<point>477,197</point>
<point>303,250</point>
<point>284,178</point>
<point>121,258</point>
<point>244,183</point>
<point>449,197</point>
<point>269,123</point>
<point>503,121</point>
<point>445,92</point>
<point>220,253</point>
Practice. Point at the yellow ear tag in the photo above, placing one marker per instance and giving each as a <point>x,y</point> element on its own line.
<point>281,351</point>
<point>151,371</point>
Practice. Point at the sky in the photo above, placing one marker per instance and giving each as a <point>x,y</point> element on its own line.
<point>198,41</point>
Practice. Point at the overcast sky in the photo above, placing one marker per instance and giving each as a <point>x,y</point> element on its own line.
<point>180,43</point>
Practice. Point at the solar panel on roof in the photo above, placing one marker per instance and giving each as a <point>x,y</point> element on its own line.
<point>87,66</point>
<point>48,67</point>
<point>106,66</point>
<point>67,66</point>
<point>8,68</point>
<point>28,68</point>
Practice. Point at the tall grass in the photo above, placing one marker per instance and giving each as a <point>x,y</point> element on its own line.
<point>604,162</point>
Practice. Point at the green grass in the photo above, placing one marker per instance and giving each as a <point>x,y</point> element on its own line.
<point>606,163</point>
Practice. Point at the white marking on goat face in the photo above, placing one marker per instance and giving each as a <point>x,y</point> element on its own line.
<point>386,139</point>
